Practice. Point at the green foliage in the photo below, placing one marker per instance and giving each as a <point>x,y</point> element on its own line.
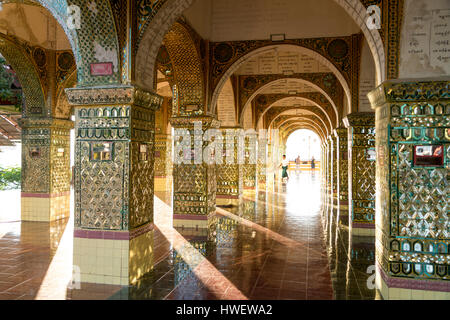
<point>6,79</point>
<point>10,178</point>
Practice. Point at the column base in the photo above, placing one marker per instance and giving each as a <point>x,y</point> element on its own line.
<point>362,229</point>
<point>45,207</point>
<point>190,221</point>
<point>410,289</point>
<point>228,200</point>
<point>113,257</point>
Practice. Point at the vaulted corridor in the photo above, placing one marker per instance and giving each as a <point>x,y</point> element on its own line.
<point>224,149</point>
<point>273,249</point>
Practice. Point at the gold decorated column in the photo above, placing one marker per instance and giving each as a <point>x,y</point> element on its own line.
<point>230,171</point>
<point>163,149</point>
<point>262,166</point>
<point>361,172</point>
<point>114,163</point>
<point>194,178</point>
<point>250,161</point>
<point>342,174</point>
<point>412,205</point>
<point>45,169</point>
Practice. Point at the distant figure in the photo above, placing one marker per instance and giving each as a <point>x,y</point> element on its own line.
<point>284,165</point>
<point>297,164</point>
<point>313,165</point>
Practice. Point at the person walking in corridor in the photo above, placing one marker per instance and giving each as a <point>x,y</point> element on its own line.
<point>284,166</point>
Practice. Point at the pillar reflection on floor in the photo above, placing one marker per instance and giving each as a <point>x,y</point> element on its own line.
<point>273,249</point>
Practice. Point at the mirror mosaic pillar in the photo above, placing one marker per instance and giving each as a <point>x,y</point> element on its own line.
<point>250,162</point>
<point>361,172</point>
<point>342,174</point>
<point>194,182</point>
<point>230,181</point>
<point>46,173</point>
<point>114,172</point>
<point>412,209</point>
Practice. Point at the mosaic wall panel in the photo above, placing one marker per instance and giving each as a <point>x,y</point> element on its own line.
<point>101,195</point>
<point>361,161</point>
<point>36,169</point>
<point>183,48</point>
<point>413,233</point>
<point>146,11</point>
<point>28,75</point>
<point>94,42</point>
<point>142,150</point>
<point>60,158</point>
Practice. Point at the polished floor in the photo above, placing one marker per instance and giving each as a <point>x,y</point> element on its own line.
<point>276,245</point>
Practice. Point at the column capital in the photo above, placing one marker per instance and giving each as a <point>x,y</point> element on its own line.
<point>50,123</point>
<point>188,122</point>
<point>359,119</point>
<point>113,95</point>
<point>400,90</point>
<point>339,132</point>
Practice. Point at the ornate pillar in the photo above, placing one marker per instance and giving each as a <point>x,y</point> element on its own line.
<point>342,174</point>
<point>230,171</point>
<point>330,169</point>
<point>250,159</point>
<point>412,213</point>
<point>361,172</point>
<point>163,148</point>
<point>194,178</point>
<point>45,169</point>
<point>334,161</point>
<point>163,162</point>
<point>114,159</point>
<point>323,165</point>
<point>262,166</point>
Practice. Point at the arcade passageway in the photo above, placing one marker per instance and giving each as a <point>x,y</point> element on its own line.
<point>142,143</point>
<point>273,249</point>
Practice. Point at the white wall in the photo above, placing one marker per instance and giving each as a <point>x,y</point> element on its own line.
<point>367,78</point>
<point>226,107</point>
<point>425,39</point>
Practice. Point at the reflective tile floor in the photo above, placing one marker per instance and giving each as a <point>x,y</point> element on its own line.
<point>272,247</point>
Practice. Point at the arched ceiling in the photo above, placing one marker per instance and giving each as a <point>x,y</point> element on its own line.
<point>33,24</point>
<point>232,20</point>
